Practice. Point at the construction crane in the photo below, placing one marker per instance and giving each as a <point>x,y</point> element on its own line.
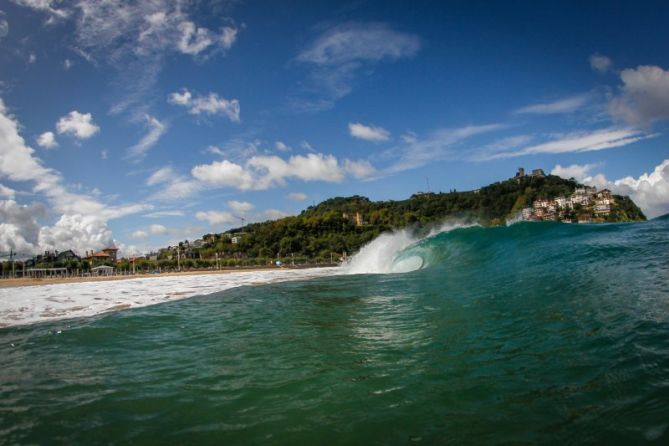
<point>243,220</point>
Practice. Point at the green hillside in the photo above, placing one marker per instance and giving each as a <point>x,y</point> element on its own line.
<point>331,226</point>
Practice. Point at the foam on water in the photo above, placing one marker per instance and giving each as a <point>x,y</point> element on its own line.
<point>33,304</point>
<point>394,252</point>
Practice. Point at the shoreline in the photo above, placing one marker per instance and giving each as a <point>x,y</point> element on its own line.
<point>38,281</point>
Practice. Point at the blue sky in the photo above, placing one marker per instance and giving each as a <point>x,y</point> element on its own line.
<point>147,124</point>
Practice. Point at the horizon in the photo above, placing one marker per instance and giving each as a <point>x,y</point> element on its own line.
<point>144,125</point>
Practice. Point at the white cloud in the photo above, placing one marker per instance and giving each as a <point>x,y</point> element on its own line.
<point>158,230</point>
<point>566,105</point>
<point>19,229</point>
<point>139,234</point>
<point>368,133</point>
<point>216,218</point>
<point>77,232</point>
<point>276,214</point>
<point>359,169</point>
<point>600,63</point>
<point>160,176</point>
<point>196,39</point>
<point>176,189</point>
<point>644,96</point>
<point>77,124</point>
<point>47,140</point>
<point>236,149</point>
<point>340,53</point>
<point>281,147</point>
<point>163,214</point>
<point>180,98</point>
<point>263,172</point>
<point>577,171</point>
<point>156,129</point>
<point>134,38</point>
<point>584,141</point>
<point>67,64</point>
<point>104,154</point>
<point>240,207</point>
<point>297,196</point>
<point>224,173</point>
<point>32,58</point>
<point>438,146</point>
<point>306,146</point>
<point>47,6</point>
<point>212,104</point>
<point>353,42</point>
<point>7,192</point>
<point>82,213</point>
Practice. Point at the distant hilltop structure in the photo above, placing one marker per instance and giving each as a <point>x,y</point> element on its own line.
<point>536,173</point>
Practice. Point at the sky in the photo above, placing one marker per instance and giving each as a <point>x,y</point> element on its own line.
<point>145,123</point>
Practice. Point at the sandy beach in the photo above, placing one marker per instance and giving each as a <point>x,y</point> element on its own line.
<point>30,281</point>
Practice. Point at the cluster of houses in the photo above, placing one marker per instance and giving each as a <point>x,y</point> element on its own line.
<point>108,254</point>
<point>582,206</point>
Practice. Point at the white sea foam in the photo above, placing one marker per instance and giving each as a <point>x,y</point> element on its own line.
<point>33,304</point>
<point>380,256</point>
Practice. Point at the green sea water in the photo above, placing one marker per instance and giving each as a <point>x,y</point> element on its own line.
<point>528,334</point>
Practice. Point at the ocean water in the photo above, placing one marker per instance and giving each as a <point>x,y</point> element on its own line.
<point>528,334</point>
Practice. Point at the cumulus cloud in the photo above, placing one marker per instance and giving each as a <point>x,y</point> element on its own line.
<point>565,105</point>
<point>79,125</point>
<point>139,234</point>
<point>368,133</point>
<point>211,104</point>
<point>340,53</point>
<point>264,172</point>
<point>579,172</point>
<point>644,96</point>
<point>600,63</point>
<point>156,129</point>
<point>216,218</point>
<point>224,173</point>
<point>7,192</point>
<point>158,230</point>
<point>297,196</point>
<point>359,169</point>
<point>47,140</point>
<point>19,229</point>
<point>77,232</point>
<point>240,207</point>
<point>81,213</point>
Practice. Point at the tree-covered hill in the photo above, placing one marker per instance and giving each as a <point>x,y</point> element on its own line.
<point>344,224</point>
